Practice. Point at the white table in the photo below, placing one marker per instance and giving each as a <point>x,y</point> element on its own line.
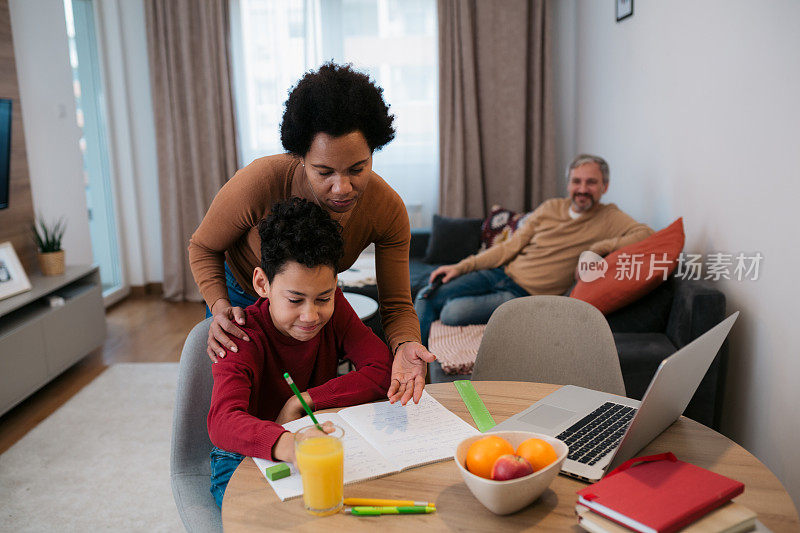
<point>364,306</point>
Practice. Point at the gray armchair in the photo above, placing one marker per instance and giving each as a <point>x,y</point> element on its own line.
<point>190,469</point>
<point>550,339</point>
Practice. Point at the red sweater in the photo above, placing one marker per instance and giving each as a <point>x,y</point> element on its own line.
<point>249,389</point>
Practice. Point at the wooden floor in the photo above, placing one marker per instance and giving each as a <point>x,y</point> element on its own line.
<point>141,329</point>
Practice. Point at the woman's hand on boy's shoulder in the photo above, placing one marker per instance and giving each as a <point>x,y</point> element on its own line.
<point>225,318</point>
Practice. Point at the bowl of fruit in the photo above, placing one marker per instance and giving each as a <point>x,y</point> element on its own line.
<point>509,470</point>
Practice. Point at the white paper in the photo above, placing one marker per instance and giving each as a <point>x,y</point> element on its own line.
<point>410,435</point>
<point>383,438</point>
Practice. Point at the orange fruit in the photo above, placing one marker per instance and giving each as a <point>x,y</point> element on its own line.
<point>484,452</point>
<point>538,452</point>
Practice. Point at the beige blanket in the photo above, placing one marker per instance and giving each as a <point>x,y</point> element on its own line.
<point>455,347</point>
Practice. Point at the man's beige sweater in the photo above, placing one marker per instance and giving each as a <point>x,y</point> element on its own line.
<point>541,256</point>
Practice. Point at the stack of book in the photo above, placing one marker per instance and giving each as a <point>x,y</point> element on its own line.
<point>660,494</point>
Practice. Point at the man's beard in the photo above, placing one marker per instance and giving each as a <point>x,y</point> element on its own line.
<point>579,209</point>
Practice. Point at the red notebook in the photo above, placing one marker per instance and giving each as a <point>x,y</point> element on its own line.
<point>658,493</point>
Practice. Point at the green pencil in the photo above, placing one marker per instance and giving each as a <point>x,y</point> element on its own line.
<point>296,392</point>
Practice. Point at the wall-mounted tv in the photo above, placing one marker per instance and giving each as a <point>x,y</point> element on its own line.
<point>5,150</point>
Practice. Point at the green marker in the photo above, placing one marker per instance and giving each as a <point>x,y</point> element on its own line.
<point>376,511</point>
<point>296,392</point>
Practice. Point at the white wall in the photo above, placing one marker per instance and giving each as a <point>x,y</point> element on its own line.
<point>695,105</point>
<point>48,114</point>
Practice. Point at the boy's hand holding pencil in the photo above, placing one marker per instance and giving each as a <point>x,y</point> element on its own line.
<point>300,398</point>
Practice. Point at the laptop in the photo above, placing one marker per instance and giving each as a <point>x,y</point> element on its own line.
<point>604,430</point>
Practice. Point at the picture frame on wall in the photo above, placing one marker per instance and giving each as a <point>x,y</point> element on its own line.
<point>624,9</point>
<point>13,279</point>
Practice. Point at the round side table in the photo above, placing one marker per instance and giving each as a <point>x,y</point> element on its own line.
<point>364,306</point>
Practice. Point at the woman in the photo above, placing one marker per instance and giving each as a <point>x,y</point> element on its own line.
<point>335,118</point>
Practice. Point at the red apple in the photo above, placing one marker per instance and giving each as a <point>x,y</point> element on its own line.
<point>510,467</point>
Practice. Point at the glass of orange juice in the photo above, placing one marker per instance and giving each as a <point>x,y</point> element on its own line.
<point>320,459</point>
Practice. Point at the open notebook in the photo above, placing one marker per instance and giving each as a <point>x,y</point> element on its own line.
<point>382,438</point>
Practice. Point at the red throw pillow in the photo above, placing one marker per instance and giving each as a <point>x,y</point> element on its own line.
<point>634,270</point>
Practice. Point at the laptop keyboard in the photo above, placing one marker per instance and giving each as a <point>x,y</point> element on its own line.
<point>598,433</point>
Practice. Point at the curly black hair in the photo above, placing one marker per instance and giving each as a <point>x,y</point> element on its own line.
<point>335,100</point>
<point>301,231</point>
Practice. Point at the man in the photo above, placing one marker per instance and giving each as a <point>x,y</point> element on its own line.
<point>539,258</point>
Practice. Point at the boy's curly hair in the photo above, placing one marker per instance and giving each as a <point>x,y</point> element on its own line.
<point>335,100</point>
<point>301,231</point>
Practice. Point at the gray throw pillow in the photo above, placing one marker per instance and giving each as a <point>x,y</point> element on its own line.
<point>453,239</point>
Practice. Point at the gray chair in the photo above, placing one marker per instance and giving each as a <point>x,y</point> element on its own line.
<point>550,339</point>
<point>190,470</point>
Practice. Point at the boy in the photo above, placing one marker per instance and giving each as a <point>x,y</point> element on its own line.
<point>301,324</point>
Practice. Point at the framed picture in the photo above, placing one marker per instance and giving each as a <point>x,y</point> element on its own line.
<point>12,276</point>
<point>624,9</point>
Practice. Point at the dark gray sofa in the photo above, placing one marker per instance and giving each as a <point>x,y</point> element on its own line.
<point>645,332</point>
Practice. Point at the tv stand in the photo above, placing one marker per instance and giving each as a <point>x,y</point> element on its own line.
<point>39,341</point>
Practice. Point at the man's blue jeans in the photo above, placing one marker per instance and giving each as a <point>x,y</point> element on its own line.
<point>223,465</point>
<point>467,299</point>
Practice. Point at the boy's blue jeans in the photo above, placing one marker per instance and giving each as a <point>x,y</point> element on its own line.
<point>467,299</point>
<point>236,294</point>
<point>223,465</point>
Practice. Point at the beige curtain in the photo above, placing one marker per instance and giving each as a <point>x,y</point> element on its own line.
<point>495,106</point>
<point>189,46</point>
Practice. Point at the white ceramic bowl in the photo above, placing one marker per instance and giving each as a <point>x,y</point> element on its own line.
<point>505,497</point>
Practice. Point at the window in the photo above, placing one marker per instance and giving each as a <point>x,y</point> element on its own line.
<point>88,89</point>
<point>394,41</point>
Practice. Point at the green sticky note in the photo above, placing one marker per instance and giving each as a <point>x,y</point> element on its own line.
<point>277,472</point>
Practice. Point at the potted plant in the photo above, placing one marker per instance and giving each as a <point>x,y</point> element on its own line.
<point>48,240</point>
